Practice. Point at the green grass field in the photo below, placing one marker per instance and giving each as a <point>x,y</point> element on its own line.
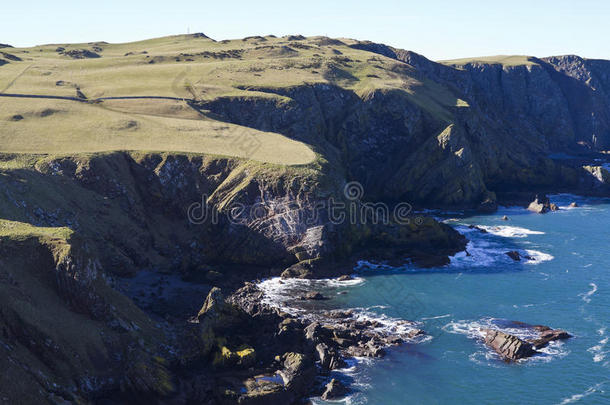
<point>183,66</point>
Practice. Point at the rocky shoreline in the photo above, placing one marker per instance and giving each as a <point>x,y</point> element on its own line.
<point>292,353</point>
<point>283,353</point>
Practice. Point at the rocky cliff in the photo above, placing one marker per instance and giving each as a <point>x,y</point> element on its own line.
<point>391,130</point>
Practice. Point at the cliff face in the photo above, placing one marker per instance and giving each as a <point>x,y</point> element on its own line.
<point>182,211</point>
<point>508,119</point>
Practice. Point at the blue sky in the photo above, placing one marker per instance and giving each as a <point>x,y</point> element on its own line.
<point>436,28</point>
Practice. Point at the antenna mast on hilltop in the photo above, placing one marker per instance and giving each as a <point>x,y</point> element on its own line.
<point>188,30</point>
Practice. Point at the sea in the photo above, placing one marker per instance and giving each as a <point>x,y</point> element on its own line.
<point>563,281</point>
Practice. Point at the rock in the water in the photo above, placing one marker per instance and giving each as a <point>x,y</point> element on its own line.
<point>510,347</point>
<point>513,254</point>
<point>478,228</point>
<point>549,335</point>
<point>504,218</point>
<point>313,295</point>
<point>540,205</point>
<point>554,207</point>
<point>346,277</point>
<point>573,205</point>
<point>415,333</point>
<point>334,390</point>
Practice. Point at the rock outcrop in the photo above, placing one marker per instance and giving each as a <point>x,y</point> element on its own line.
<point>509,347</point>
<point>513,348</point>
<point>540,205</point>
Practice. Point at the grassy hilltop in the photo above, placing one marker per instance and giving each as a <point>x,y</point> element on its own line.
<point>191,67</point>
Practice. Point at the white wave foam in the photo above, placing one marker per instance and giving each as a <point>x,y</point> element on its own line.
<point>279,292</point>
<point>578,397</point>
<point>538,256</point>
<point>389,325</point>
<point>436,317</point>
<point>483,251</point>
<point>586,297</point>
<point>483,254</point>
<point>478,254</point>
<point>599,351</point>
<point>510,231</point>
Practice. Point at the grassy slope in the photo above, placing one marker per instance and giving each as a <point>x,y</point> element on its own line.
<point>210,70</point>
<point>49,344</point>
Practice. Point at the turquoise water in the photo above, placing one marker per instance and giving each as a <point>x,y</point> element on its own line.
<point>566,287</point>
